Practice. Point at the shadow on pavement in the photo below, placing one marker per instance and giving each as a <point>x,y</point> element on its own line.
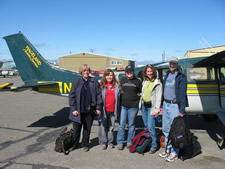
<point>60,118</point>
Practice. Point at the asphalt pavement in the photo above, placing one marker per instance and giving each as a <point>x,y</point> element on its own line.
<point>31,121</point>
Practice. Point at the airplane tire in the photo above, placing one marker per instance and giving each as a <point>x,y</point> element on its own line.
<point>210,117</point>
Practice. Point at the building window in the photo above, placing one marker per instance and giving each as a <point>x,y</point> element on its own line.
<point>116,62</point>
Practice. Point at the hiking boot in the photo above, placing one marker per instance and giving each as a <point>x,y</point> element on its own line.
<point>128,145</point>
<point>172,157</point>
<point>111,146</point>
<point>120,147</point>
<point>164,154</point>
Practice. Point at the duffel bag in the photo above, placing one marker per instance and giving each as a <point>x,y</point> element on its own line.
<point>64,141</point>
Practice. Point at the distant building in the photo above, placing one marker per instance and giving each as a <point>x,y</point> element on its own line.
<point>203,52</point>
<point>74,61</point>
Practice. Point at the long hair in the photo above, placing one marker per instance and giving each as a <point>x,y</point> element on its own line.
<point>103,81</point>
<point>154,70</point>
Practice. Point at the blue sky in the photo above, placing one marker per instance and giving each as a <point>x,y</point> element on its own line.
<point>138,30</point>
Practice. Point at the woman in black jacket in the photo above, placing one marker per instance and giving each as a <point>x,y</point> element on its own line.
<point>85,101</point>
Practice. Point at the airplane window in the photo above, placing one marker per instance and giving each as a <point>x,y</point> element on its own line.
<point>222,74</point>
<point>200,74</point>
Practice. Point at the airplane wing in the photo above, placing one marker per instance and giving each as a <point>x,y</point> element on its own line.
<point>6,86</point>
<point>9,86</point>
<point>217,59</point>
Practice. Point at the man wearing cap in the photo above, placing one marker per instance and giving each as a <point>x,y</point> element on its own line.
<point>131,88</point>
<point>174,103</point>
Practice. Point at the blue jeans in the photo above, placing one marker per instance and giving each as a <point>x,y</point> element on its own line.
<point>131,113</point>
<point>170,111</point>
<point>149,122</point>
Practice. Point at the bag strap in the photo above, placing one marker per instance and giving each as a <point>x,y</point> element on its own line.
<point>64,151</point>
<point>64,130</point>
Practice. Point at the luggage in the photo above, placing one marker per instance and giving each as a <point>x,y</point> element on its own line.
<point>144,147</point>
<point>64,141</point>
<point>141,142</point>
<point>162,141</point>
<point>190,151</point>
<point>179,135</point>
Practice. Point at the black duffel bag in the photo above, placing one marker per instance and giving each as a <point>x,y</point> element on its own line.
<point>64,141</point>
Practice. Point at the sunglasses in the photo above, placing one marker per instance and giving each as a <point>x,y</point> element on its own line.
<point>149,65</point>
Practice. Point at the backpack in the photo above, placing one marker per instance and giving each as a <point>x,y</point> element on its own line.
<point>144,147</point>
<point>141,142</point>
<point>179,135</point>
<point>191,151</point>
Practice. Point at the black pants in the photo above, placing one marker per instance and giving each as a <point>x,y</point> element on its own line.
<point>86,122</point>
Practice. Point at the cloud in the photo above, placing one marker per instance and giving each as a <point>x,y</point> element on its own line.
<point>40,45</point>
<point>144,62</point>
<point>134,54</point>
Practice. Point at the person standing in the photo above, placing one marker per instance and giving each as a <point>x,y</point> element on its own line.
<point>111,107</point>
<point>174,103</point>
<point>131,87</point>
<point>151,101</point>
<point>85,101</point>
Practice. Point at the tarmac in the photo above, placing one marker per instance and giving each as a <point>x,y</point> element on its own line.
<point>31,121</point>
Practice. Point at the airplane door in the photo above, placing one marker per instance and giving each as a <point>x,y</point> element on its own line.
<point>222,86</point>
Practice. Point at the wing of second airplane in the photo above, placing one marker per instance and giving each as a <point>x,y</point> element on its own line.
<point>217,59</point>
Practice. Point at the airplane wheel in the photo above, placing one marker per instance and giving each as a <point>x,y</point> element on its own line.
<point>210,117</point>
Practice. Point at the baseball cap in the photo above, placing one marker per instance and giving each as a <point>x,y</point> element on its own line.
<point>129,68</point>
<point>173,59</point>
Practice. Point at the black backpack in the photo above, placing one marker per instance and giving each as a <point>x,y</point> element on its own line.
<point>192,150</point>
<point>179,135</point>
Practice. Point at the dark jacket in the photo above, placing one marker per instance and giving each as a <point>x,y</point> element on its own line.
<point>74,96</point>
<point>180,90</point>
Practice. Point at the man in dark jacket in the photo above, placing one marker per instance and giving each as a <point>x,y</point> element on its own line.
<point>85,101</point>
<point>174,103</point>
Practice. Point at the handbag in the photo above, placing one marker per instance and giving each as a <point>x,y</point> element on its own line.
<point>64,141</point>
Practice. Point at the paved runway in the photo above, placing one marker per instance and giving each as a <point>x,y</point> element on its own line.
<point>30,123</point>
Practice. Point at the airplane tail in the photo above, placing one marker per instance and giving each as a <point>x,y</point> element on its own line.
<point>31,65</point>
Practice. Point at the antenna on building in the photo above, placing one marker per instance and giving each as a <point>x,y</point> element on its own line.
<point>92,50</point>
<point>205,47</point>
<point>209,44</point>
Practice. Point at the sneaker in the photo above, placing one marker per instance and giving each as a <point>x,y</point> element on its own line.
<point>172,157</point>
<point>86,149</point>
<point>103,147</point>
<point>120,147</point>
<point>128,145</point>
<point>164,154</point>
<point>111,146</point>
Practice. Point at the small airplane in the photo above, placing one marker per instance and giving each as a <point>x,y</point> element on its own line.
<point>206,77</point>
<point>35,71</point>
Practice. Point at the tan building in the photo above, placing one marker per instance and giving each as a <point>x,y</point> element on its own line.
<point>74,61</point>
<point>203,52</point>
